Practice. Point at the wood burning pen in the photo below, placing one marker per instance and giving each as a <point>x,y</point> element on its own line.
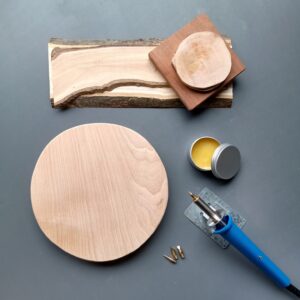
<point>222,224</point>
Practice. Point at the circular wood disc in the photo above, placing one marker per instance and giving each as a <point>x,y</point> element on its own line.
<point>202,60</point>
<point>99,191</point>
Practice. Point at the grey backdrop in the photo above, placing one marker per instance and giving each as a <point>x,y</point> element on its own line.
<point>263,122</point>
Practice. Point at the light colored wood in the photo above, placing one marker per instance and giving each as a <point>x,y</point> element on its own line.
<point>202,60</point>
<point>163,54</point>
<point>102,69</point>
<point>139,96</point>
<point>112,74</point>
<point>99,191</point>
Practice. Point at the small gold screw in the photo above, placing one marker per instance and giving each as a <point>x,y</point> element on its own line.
<point>174,253</point>
<point>180,251</point>
<point>170,259</point>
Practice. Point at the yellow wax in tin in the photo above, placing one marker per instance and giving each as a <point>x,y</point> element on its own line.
<point>202,152</point>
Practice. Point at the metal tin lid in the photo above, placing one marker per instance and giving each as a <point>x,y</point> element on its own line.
<point>226,161</point>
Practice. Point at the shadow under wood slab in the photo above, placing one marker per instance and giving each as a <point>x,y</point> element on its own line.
<point>113,73</point>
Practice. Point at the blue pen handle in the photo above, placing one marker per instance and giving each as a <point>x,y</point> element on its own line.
<point>237,238</point>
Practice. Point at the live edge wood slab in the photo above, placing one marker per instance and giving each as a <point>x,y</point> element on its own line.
<point>113,73</point>
<point>162,57</point>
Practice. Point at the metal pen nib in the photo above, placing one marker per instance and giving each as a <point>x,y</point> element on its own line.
<point>194,197</point>
<point>212,214</point>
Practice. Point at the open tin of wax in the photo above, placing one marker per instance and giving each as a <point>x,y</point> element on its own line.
<point>208,154</point>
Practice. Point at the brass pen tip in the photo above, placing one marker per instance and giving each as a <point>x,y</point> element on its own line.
<point>170,259</point>
<point>194,197</point>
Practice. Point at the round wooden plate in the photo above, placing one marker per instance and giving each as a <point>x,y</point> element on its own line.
<point>202,60</point>
<point>99,191</point>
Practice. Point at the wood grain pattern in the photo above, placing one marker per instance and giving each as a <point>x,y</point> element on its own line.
<point>111,73</point>
<point>202,60</point>
<point>99,191</point>
<point>162,56</point>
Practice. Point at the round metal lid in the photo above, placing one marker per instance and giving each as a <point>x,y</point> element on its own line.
<point>226,161</point>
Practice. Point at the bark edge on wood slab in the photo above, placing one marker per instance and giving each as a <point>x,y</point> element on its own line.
<point>129,93</point>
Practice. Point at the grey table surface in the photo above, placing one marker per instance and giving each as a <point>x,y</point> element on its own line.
<point>263,122</point>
